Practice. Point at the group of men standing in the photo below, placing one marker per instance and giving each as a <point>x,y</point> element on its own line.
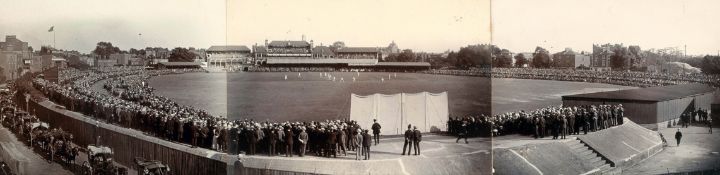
<point>699,115</point>
<point>570,120</point>
<point>558,121</point>
<point>412,140</point>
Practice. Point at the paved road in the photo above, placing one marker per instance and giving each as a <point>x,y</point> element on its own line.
<point>37,164</point>
<point>698,150</point>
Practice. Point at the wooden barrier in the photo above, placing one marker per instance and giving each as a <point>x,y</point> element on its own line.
<point>128,144</point>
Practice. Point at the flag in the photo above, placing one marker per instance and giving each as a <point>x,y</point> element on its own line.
<point>52,28</point>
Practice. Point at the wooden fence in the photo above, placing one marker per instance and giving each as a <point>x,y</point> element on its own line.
<point>125,143</point>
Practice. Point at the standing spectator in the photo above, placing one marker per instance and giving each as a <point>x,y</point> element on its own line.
<point>462,133</point>
<point>563,127</point>
<point>417,137</point>
<point>376,131</point>
<point>358,141</point>
<point>331,143</point>
<point>367,141</point>
<point>303,138</point>
<point>408,140</point>
<point>273,140</point>
<point>342,139</point>
<point>678,136</point>
<point>289,136</point>
<point>709,122</point>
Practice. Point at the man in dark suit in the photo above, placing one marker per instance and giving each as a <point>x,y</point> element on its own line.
<point>331,143</point>
<point>462,132</point>
<point>289,136</point>
<point>376,131</point>
<point>678,136</point>
<point>367,141</point>
<point>303,138</point>
<point>408,140</point>
<point>417,137</point>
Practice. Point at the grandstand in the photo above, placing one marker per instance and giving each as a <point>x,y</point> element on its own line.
<point>304,55</point>
<point>231,54</point>
<point>650,107</point>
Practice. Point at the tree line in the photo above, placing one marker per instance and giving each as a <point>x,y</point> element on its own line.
<point>178,54</point>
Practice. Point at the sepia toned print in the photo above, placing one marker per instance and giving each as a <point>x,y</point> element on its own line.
<point>247,87</point>
<point>359,87</point>
<point>605,87</point>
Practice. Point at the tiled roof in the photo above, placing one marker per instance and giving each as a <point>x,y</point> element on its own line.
<point>236,48</point>
<point>423,64</point>
<point>260,49</point>
<point>358,49</point>
<point>305,60</point>
<point>288,44</point>
<point>180,63</point>
<point>324,50</point>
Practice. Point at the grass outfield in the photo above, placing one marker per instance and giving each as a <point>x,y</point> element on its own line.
<point>261,96</point>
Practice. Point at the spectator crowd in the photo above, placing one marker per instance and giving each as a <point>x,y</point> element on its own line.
<point>128,101</point>
<point>625,78</point>
<point>558,121</point>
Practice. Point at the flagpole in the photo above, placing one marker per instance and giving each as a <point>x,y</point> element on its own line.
<point>54,43</point>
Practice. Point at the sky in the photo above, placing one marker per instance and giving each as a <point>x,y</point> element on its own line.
<point>421,25</point>
<point>521,25</point>
<point>81,24</point>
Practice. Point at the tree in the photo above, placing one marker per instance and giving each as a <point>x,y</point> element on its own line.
<point>105,49</point>
<point>520,60</point>
<point>620,57</point>
<point>45,50</point>
<point>474,56</point>
<point>502,58</point>
<point>338,44</point>
<point>180,54</point>
<point>711,64</point>
<point>541,58</point>
<point>406,55</point>
<point>438,61</point>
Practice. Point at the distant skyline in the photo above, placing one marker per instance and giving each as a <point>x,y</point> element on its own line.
<point>520,25</point>
<point>421,25</point>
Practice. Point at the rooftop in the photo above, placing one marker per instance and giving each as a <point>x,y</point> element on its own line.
<point>358,49</point>
<point>230,48</point>
<point>324,50</point>
<point>180,63</point>
<point>289,44</point>
<point>651,94</point>
<point>412,64</point>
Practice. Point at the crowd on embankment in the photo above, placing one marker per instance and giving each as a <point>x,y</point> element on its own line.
<point>131,103</point>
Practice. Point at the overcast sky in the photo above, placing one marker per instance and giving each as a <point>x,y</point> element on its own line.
<point>521,25</point>
<point>421,25</point>
<point>80,24</point>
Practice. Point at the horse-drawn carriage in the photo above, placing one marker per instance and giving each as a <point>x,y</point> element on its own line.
<point>101,160</point>
<point>151,167</point>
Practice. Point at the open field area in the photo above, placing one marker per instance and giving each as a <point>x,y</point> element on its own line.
<point>311,96</point>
